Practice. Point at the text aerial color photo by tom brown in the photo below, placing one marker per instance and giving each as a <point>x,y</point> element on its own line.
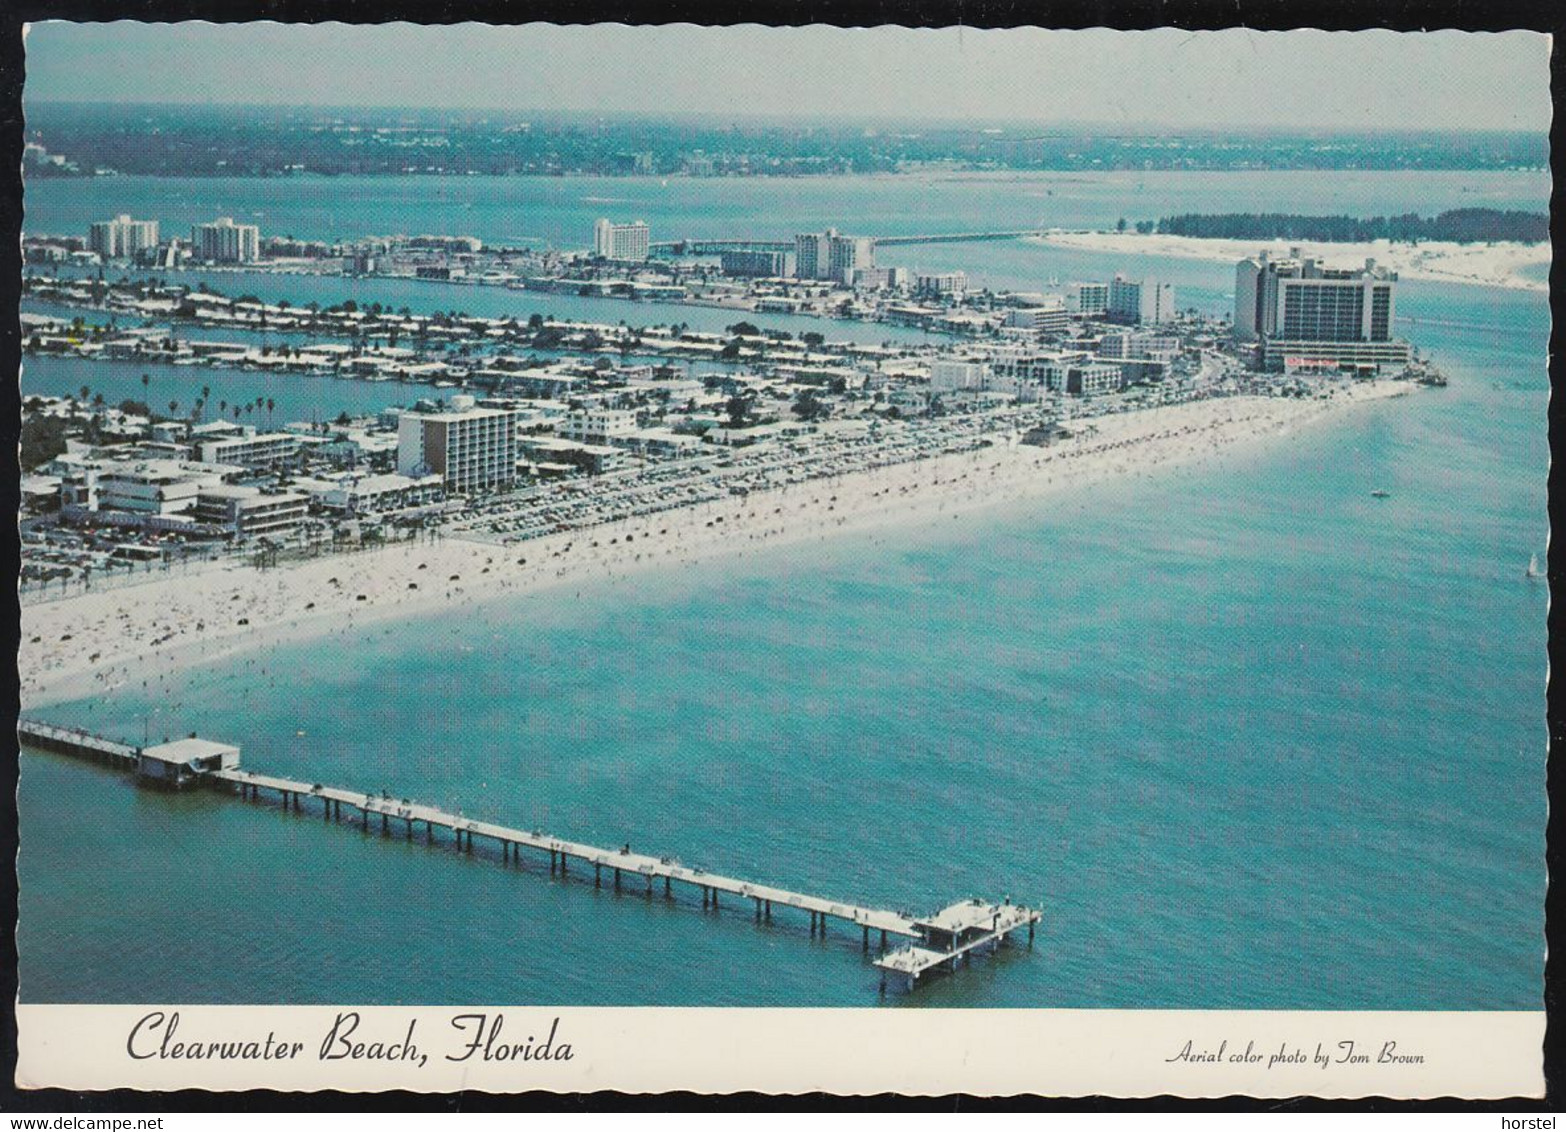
<point>884,529</point>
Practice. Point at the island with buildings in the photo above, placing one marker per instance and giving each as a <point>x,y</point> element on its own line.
<point>570,442</point>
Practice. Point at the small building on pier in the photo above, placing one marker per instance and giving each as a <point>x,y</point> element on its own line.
<point>956,933</point>
<point>181,762</point>
<point>961,923</point>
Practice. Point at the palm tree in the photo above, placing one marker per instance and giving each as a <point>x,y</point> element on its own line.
<point>173,408</point>
<point>146,398</point>
<point>270,406</point>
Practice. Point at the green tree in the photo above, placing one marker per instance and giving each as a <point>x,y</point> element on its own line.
<point>42,439</point>
<point>809,407</point>
<point>738,409</point>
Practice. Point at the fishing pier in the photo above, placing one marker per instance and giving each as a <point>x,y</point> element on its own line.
<point>940,942</point>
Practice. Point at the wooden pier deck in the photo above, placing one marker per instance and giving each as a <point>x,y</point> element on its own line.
<point>620,867</point>
<point>76,741</point>
<point>957,932</point>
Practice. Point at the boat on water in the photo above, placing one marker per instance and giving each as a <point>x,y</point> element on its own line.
<point>1533,567</point>
<point>1381,493</point>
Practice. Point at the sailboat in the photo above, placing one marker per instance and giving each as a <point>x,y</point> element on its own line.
<point>1533,566</point>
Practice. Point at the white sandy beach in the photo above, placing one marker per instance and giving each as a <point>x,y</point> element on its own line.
<point>95,642</point>
<point>1490,265</point>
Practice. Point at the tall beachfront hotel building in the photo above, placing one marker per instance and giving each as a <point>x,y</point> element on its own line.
<point>628,242</point>
<point>223,241</point>
<point>832,255</point>
<point>471,449</point>
<point>1301,312</point>
<point>1139,302</point>
<point>122,237</point>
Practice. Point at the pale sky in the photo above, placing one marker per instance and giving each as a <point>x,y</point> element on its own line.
<point>1357,80</point>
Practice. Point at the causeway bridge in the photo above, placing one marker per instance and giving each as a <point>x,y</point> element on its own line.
<point>939,942</point>
<point>715,247</point>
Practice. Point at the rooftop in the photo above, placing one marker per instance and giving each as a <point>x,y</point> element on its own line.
<point>962,917</point>
<point>186,751</point>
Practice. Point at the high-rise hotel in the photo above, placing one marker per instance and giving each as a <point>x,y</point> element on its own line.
<point>832,255</point>
<point>223,241</point>
<point>625,242</point>
<point>122,237</point>
<point>1300,312</point>
<point>471,449</point>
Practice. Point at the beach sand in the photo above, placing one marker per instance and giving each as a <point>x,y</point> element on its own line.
<point>94,642</point>
<point>1490,265</point>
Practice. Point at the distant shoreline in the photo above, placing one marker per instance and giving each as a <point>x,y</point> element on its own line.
<point>1066,175</point>
<point>1485,265</point>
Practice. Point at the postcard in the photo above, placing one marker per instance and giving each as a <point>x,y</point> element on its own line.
<point>803,559</point>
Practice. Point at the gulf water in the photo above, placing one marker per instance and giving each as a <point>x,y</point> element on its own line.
<point>1249,736</point>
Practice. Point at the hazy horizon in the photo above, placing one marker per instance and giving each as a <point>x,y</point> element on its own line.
<point>1164,80</point>
<point>1040,127</point>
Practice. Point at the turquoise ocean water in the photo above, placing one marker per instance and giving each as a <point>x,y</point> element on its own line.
<point>1249,736</point>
